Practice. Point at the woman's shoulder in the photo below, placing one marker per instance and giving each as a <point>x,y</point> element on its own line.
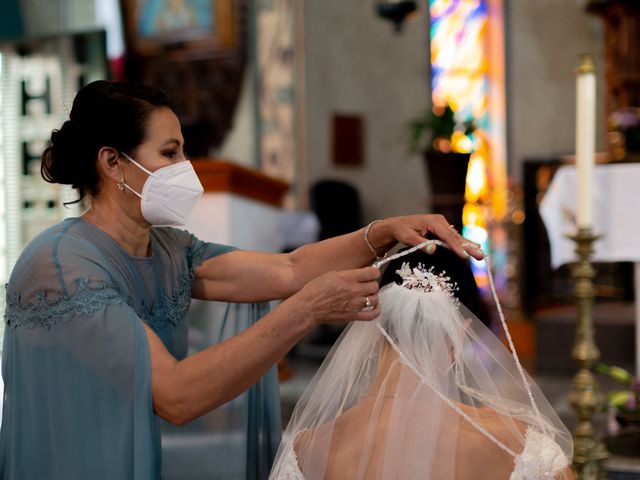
<point>175,237</point>
<point>58,255</point>
<point>63,238</point>
<point>196,250</point>
<point>59,273</point>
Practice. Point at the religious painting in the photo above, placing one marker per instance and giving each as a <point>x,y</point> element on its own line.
<point>156,26</point>
<point>174,17</point>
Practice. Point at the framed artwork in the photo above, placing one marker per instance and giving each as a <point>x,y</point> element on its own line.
<point>192,27</point>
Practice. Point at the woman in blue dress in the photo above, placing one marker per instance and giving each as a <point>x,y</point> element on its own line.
<point>95,346</point>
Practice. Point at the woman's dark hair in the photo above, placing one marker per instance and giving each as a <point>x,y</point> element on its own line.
<point>444,261</point>
<point>104,114</point>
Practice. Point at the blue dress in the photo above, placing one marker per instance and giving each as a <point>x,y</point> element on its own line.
<point>76,364</point>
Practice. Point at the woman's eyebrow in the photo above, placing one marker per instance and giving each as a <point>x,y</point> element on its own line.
<point>172,140</point>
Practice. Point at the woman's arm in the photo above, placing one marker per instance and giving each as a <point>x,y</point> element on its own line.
<point>186,389</point>
<point>281,275</point>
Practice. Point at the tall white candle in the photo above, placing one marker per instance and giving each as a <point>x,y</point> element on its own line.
<point>585,139</point>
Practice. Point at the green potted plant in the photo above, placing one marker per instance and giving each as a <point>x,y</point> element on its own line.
<point>435,134</point>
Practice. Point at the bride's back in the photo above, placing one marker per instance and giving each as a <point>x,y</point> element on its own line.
<point>358,448</point>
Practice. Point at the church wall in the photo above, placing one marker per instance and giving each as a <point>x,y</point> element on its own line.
<point>42,17</point>
<point>545,39</point>
<point>357,65</point>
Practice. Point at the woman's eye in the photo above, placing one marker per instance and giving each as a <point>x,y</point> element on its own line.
<point>171,154</point>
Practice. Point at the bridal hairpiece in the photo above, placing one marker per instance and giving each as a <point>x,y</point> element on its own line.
<point>424,280</point>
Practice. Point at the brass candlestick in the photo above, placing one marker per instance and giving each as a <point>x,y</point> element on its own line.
<point>585,398</point>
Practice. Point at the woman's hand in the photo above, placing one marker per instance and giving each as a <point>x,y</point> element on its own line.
<point>340,296</point>
<point>412,229</point>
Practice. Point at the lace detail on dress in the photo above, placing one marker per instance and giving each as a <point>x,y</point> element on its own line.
<point>196,255</point>
<point>45,312</point>
<point>171,308</point>
<point>288,467</point>
<point>168,308</point>
<point>540,458</point>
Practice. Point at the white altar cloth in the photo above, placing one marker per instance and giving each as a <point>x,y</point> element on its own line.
<point>616,218</point>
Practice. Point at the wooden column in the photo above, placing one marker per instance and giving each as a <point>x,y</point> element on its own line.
<point>621,51</point>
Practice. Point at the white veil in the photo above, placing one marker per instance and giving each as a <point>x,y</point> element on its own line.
<point>424,391</point>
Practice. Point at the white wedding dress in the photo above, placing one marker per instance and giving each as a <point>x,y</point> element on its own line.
<point>539,459</point>
<point>424,391</point>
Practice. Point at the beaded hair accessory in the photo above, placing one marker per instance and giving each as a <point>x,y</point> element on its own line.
<point>424,280</point>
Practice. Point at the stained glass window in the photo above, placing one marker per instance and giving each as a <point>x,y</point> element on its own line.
<point>462,77</point>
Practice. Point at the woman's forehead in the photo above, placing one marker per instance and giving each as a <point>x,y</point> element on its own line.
<point>164,124</point>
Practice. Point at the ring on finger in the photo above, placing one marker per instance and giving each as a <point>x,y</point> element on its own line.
<point>368,306</point>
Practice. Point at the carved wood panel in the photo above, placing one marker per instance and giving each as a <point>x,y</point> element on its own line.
<point>621,52</point>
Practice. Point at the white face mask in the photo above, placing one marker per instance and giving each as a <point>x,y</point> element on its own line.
<point>169,194</point>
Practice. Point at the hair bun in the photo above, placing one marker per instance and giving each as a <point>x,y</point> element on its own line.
<point>60,136</point>
<point>61,160</point>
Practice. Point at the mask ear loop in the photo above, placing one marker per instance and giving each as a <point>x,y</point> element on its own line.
<point>148,172</point>
<point>503,321</point>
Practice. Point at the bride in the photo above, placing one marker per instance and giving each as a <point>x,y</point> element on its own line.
<point>424,391</point>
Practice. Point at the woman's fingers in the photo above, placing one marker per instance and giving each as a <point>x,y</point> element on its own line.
<point>363,314</point>
<point>366,274</point>
<point>367,303</point>
<point>473,249</point>
<point>363,285</point>
<point>366,316</point>
<point>450,235</point>
<point>461,245</point>
<point>412,230</point>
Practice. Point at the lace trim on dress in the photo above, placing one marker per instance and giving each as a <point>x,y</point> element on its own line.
<point>166,308</point>
<point>540,458</point>
<point>196,255</point>
<point>46,312</point>
<point>169,308</point>
<point>90,297</point>
<point>289,468</point>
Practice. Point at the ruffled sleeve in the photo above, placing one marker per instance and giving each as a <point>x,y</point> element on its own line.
<point>199,251</point>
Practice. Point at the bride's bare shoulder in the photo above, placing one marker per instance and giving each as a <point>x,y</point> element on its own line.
<point>347,424</point>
